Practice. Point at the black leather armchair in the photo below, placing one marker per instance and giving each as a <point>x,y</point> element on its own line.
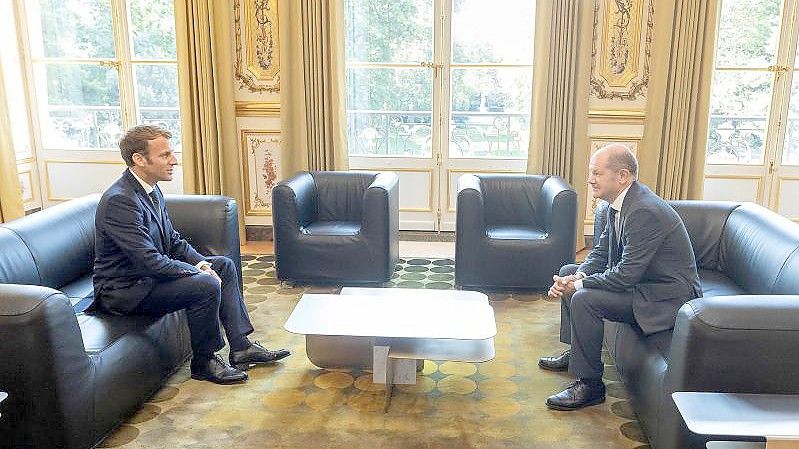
<point>335,227</point>
<point>73,377</point>
<point>513,231</point>
<point>742,336</point>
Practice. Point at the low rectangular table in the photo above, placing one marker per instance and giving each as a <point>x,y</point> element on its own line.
<point>774,417</point>
<point>390,330</point>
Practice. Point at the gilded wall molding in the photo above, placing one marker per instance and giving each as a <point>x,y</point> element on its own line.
<point>619,64</point>
<point>257,64</point>
<point>261,150</point>
<point>257,109</point>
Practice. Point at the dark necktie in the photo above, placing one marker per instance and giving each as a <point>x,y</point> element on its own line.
<point>156,205</point>
<point>613,240</point>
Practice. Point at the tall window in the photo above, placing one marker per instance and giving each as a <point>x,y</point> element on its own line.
<point>743,80</point>
<point>466,77</point>
<point>101,66</point>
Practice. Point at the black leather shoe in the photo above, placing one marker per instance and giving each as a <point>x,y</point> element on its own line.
<point>555,363</point>
<point>256,354</point>
<point>217,371</point>
<point>578,395</point>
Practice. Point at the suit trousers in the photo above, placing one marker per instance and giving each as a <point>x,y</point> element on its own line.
<point>207,305</point>
<point>582,325</point>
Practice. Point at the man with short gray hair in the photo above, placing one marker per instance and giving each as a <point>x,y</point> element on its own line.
<point>641,272</point>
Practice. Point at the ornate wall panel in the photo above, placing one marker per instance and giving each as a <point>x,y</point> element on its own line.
<point>262,152</point>
<point>621,48</point>
<point>257,65</point>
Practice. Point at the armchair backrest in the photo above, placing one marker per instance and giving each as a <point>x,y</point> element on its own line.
<point>705,221</point>
<point>340,195</point>
<point>511,199</point>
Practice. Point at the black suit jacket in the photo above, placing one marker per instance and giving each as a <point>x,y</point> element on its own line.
<point>133,248</point>
<point>654,260</point>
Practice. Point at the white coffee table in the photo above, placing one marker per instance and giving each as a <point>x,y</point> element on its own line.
<point>774,417</point>
<point>389,330</point>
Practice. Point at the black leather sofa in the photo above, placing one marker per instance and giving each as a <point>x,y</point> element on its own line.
<point>73,377</point>
<point>336,227</point>
<point>513,231</point>
<point>742,336</point>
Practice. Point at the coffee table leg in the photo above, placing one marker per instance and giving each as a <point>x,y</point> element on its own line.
<point>389,385</point>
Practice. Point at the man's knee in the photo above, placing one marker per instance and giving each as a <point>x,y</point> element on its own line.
<point>580,299</point>
<point>207,286</point>
<point>567,270</point>
<point>223,264</point>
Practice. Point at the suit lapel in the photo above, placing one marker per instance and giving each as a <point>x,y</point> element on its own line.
<point>145,200</point>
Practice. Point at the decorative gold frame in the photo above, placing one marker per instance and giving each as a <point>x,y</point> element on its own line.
<point>267,207</point>
<point>603,80</point>
<point>257,64</point>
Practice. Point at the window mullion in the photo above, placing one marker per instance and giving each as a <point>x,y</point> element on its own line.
<point>127,95</point>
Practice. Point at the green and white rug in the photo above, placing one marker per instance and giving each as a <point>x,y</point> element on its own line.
<point>293,404</point>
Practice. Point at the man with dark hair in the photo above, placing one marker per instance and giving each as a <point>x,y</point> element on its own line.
<point>641,272</point>
<point>143,266</point>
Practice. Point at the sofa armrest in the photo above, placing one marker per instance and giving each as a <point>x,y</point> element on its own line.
<point>740,344</point>
<point>45,370</point>
<point>557,208</point>
<point>470,227</point>
<point>380,219</point>
<point>209,222</point>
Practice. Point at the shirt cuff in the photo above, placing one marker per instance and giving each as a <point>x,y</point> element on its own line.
<point>202,264</point>
<point>578,284</point>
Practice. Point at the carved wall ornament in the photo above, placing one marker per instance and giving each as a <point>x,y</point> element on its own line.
<point>257,64</point>
<point>619,61</point>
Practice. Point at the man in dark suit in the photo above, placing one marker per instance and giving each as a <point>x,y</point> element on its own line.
<point>641,272</point>
<point>143,266</point>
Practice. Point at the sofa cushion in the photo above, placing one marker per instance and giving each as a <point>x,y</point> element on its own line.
<point>80,292</point>
<point>515,232</point>
<point>332,228</point>
<point>101,330</point>
<point>716,283</point>
<point>16,261</point>
<point>755,246</point>
<point>61,240</point>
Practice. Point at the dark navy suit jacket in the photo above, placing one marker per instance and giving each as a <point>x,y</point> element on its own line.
<point>654,260</point>
<point>134,249</point>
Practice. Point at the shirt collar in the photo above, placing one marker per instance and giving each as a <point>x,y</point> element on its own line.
<point>147,187</point>
<point>619,201</point>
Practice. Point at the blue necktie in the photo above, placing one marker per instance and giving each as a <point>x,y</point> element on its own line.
<point>613,240</point>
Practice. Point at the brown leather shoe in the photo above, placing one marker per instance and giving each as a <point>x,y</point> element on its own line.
<point>578,395</point>
<point>217,371</point>
<point>555,363</point>
<point>256,354</point>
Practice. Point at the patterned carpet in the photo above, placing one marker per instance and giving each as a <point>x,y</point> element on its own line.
<point>293,404</point>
